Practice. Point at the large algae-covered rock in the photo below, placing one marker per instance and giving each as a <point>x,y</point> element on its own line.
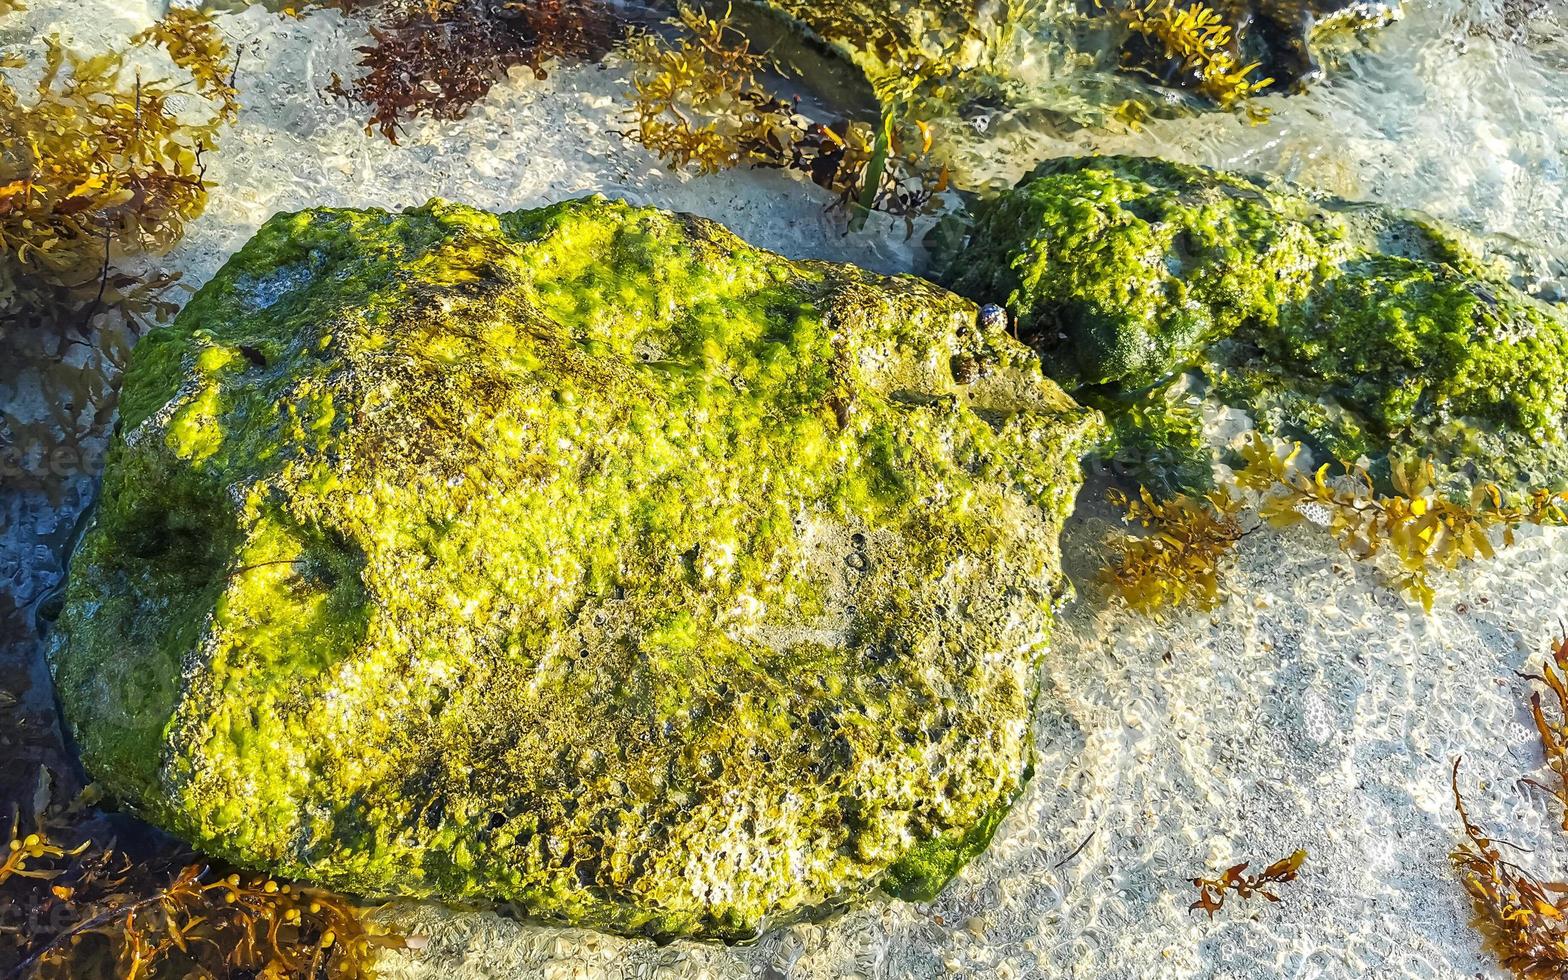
<point>1362,331</point>
<point>585,557</point>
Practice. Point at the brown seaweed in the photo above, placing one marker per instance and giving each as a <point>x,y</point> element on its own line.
<point>1521,916</point>
<point>1235,881</point>
<point>440,57</point>
<point>1420,529</point>
<point>698,102</point>
<point>82,906</point>
<point>1180,558</point>
<point>99,167</point>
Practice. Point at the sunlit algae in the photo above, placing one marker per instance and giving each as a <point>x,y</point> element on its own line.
<point>584,557</point>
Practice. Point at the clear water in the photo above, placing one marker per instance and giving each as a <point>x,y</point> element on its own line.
<point>1316,709</point>
<point>1459,110</point>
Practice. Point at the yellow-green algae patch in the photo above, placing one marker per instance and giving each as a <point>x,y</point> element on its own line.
<point>1360,330</point>
<point>585,557</point>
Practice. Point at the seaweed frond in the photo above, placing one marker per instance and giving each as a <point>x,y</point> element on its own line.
<point>439,57</point>
<point>195,44</point>
<point>1522,917</point>
<point>92,909</point>
<point>1179,559</point>
<point>98,154</point>
<point>1423,529</point>
<point>1200,44</point>
<point>1213,891</point>
<point>98,165</point>
<point>1553,734</point>
<point>698,103</point>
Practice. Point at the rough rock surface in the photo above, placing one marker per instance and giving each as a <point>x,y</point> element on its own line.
<point>1359,330</point>
<point>585,557</point>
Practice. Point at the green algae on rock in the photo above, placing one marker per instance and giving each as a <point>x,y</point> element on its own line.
<point>586,557</point>
<point>1357,329</point>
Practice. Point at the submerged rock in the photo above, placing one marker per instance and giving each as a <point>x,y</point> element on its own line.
<point>1360,330</point>
<point>1279,36</point>
<point>950,53</point>
<point>584,557</point>
<point>902,45</point>
<point>1282,35</point>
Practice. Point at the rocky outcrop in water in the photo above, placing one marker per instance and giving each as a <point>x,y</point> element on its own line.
<point>1280,36</point>
<point>938,48</point>
<point>1362,331</point>
<point>900,44</point>
<point>584,557</point>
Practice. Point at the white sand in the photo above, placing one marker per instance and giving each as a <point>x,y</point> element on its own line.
<point>528,144</point>
<point>1316,709</point>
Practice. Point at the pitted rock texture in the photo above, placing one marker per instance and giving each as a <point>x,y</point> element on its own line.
<point>584,557</point>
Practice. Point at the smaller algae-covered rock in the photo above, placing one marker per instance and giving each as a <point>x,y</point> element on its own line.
<point>1121,269</point>
<point>1360,330</point>
<point>587,558</point>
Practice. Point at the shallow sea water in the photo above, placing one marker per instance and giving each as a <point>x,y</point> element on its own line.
<point>1315,709</point>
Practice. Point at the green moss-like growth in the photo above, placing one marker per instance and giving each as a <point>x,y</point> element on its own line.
<point>1357,329</point>
<point>1397,338</point>
<point>1158,442</point>
<point>1120,270</point>
<point>921,873</point>
<point>584,557</point>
